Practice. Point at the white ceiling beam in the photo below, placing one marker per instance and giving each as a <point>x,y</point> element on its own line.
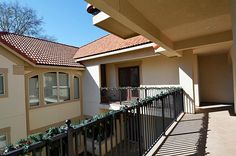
<point>203,40</point>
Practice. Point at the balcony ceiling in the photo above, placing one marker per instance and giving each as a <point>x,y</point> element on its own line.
<point>184,19</point>
<point>173,24</point>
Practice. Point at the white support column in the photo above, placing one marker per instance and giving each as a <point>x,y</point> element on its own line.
<point>196,81</point>
<point>233,50</point>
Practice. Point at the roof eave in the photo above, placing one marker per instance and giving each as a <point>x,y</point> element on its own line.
<point>115,52</point>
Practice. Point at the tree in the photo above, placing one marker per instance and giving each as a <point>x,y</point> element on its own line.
<point>21,20</point>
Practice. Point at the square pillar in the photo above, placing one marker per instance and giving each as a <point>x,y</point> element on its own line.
<point>233,50</point>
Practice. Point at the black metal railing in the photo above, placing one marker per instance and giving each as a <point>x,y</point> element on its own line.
<point>130,131</point>
<point>124,95</point>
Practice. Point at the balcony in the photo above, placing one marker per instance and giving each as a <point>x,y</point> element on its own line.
<point>132,130</point>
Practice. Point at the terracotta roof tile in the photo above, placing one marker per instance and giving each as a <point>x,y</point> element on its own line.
<point>40,51</point>
<point>109,43</point>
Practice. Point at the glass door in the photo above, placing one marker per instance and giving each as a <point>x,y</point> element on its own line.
<point>129,77</point>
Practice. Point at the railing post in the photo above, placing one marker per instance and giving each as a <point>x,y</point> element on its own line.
<point>163,114</point>
<point>69,138</point>
<point>182,99</point>
<point>139,129</point>
<point>174,103</point>
<point>120,95</point>
<point>145,89</point>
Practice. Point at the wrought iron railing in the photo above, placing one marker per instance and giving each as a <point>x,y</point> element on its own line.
<point>123,95</point>
<point>130,131</point>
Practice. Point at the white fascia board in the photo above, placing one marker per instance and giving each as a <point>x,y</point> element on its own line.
<point>116,52</point>
<point>100,17</point>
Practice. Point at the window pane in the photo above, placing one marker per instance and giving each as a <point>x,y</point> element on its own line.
<point>50,88</point>
<point>3,141</point>
<point>76,87</point>
<point>64,87</point>
<point>1,84</point>
<point>34,91</point>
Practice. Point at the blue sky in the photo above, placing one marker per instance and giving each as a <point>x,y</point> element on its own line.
<point>66,20</point>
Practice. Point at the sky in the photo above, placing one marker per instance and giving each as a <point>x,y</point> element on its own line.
<point>66,20</point>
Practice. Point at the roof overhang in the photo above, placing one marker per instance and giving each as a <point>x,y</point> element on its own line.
<point>174,25</point>
<point>104,21</point>
<point>30,63</point>
<point>125,50</point>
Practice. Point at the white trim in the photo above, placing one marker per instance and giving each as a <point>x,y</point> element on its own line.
<point>100,17</point>
<point>159,50</point>
<point>60,67</point>
<point>116,52</point>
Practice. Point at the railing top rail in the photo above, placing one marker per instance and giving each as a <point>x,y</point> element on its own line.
<point>128,87</point>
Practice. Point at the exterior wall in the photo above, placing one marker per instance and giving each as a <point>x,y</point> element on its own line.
<point>13,112</point>
<point>162,71</point>
<point>216,79</point>
<point>48,115</point>
<point>159,71</point>
<point>91,91</point>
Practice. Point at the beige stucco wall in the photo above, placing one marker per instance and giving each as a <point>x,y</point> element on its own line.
<point>12,108</point>
<point>48,115</point>
<point>159,71</point>
<point>216,79</point>
<point>91,91</point>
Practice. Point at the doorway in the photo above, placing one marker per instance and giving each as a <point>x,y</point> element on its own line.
<point>129,77</point>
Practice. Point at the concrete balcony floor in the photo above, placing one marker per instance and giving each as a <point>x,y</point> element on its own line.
<point>209,132</point>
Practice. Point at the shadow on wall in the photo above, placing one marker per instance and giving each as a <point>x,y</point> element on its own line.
<point>188,138</point>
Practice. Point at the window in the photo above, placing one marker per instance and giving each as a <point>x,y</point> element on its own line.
<point>34,91</point>
<point>3,141</point>
<point>64,87</point>
<point>103,75</point>
<point>56,87</point>
<point>3,82</point>
<point>4,138</point>
<point>50,88</point>
<point>2,85</point>
<point>76,87</point>
<point>129,77</point>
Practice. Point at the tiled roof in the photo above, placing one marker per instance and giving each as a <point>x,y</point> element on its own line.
<point>40,52</point>
<point>109,43</point>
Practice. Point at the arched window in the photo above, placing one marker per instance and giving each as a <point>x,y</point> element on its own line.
<point>34,91</point>
<point>64,87</point>
<point>2,84</point>
<point>56,87</point>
